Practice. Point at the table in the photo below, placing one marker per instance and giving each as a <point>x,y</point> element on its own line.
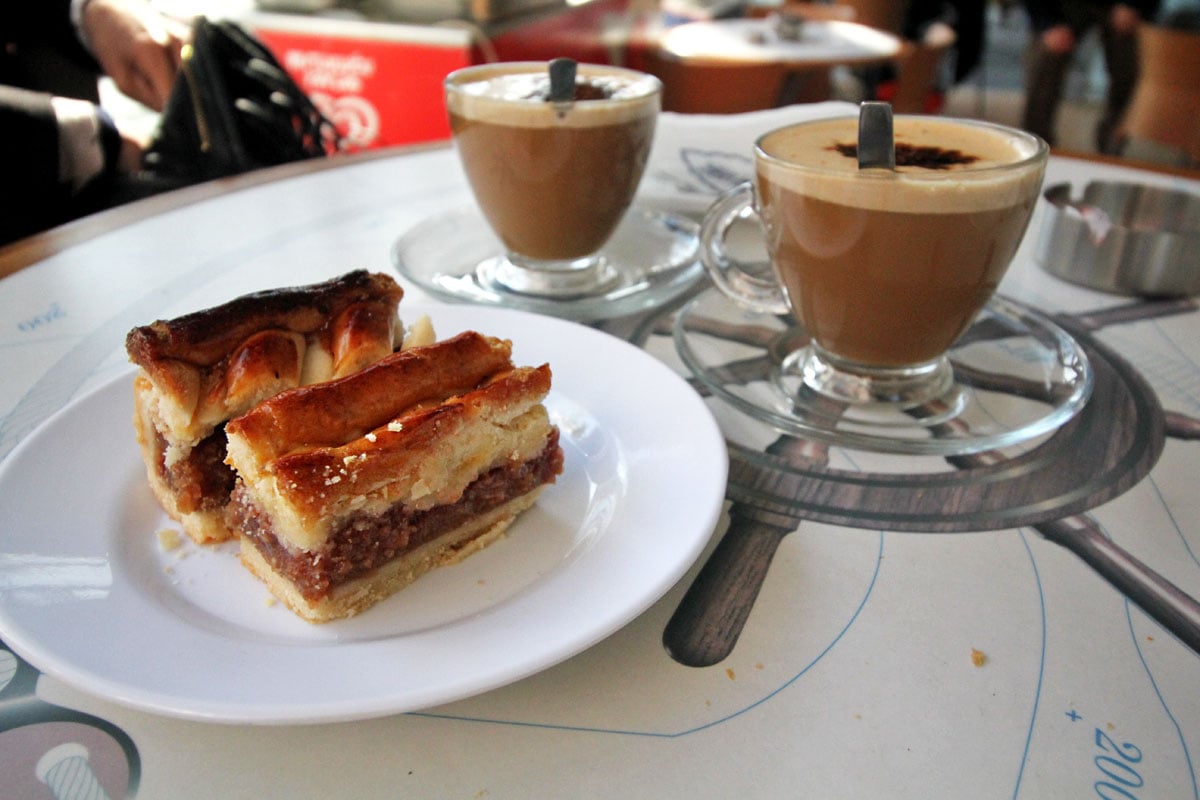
<point>745,64</point>
<point>874,663</point>
<point>751,39</point>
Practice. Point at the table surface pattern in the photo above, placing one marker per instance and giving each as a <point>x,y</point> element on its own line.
<point>874,662</point>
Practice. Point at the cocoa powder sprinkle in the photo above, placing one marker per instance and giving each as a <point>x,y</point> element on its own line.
<point>584,90</point>
<point>912,155</point>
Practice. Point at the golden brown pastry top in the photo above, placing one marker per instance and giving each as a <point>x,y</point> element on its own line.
<point>210,365</point>
<point>416,427</point>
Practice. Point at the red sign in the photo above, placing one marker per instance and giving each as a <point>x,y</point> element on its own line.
<point>380,84</point>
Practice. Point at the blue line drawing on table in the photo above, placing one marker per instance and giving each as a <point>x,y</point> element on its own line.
<point>42,319</point>
<point>1037,695</point>
<point>705,173</point>
<point>800,673</point>
<point>1137,645</point>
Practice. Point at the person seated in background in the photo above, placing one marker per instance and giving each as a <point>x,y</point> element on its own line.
<point>964,17</point>
<point>1058,26</point>
<point>59,150</point>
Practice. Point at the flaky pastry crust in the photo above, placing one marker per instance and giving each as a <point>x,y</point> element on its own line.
<point>211,365</point>
<point>414,428</point>
<point>201,369</point>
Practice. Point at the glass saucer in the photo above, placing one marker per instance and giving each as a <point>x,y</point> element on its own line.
<point>1017,376</point>
<point>455,256</point>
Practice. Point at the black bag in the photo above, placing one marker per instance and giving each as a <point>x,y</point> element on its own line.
<point>233,109</point>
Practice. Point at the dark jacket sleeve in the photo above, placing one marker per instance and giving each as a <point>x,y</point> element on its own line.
<point>39,49</point>
<point>30,194</point>
<point>45,21</point>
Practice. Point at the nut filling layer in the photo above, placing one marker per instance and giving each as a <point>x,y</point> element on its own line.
<point>362,542</point>
<point>201,481</point>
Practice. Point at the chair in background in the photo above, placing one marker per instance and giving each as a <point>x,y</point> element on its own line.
<point>727,67</point>
<point>886,15</point>
<point>805,9</point>
<point>696,86</point>
<point>1165,108</point>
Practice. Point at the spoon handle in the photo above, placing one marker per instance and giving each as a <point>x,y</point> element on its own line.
<point>876,140</point>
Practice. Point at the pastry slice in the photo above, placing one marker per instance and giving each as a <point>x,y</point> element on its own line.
<point>348,491</point>
<point>200,370</point>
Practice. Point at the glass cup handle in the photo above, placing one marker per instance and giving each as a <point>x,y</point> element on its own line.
<point>733,277</point>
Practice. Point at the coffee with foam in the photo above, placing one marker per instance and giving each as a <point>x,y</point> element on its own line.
<point>507,94</point>
<point>553,179</point>
<point>888,268</point>
<point>973,165</point>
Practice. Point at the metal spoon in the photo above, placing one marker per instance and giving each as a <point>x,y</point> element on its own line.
<point>562,80</point>
<point>876,142</point>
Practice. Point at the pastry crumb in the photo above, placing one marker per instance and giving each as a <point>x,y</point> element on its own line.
<point>169,539</point>
<point>421,333</point>
<point>978,657</point>
<point>729,673</point>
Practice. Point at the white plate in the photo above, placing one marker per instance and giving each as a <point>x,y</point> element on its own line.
<point>88,595</point>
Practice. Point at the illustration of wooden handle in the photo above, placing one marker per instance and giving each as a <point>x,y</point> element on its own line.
<point>710,617</point>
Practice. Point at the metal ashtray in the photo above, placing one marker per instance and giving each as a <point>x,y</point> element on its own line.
<point>1126,238</point>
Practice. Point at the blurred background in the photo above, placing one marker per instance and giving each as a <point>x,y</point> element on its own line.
<point>375,66</point>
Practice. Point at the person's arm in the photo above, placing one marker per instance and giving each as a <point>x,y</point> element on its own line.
<point>51,148</point>
<point>29,145</point>
<point>54,151</point>
<point>135,45</point>
<point>28,163</point>
<point>128,40</point>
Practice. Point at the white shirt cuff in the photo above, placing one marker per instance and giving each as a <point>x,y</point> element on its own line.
<point>80,150</point>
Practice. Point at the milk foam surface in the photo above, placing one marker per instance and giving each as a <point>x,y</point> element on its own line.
<point>804,158</point>
<point>507,94</point>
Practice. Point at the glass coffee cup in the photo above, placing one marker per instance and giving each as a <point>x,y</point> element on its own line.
<point>884,269</point>
<point>552,177</point>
